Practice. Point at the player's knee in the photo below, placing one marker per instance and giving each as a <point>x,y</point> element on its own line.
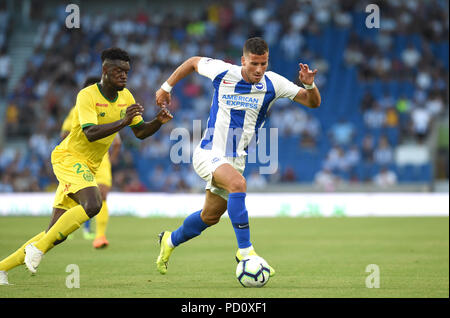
<point>92,207</point>
<point>238,185</point>
<point>210,219</point>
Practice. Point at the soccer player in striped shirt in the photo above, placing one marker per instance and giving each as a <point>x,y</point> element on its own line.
<point>242,97</point>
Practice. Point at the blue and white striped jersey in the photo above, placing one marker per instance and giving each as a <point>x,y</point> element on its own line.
<point>238,108</point>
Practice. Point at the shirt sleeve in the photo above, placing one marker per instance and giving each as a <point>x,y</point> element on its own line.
<point>211,68</point>
<point>67,124</point>
<point>284,88</point>
<point>137,120</point>
<point>86,109</point>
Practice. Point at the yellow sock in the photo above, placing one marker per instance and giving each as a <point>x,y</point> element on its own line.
<point>17,258</point>
<point>101,221</point>
<point>66,224</point>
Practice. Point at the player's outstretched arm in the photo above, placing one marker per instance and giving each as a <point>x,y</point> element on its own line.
<point>186,68</point>
<point>147,129</point>
<point>310,96</point>
<point>96,132</point>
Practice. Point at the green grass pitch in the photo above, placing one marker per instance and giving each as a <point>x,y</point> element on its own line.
<point>313,257</point>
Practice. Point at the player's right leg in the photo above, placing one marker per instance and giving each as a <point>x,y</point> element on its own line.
<point>192,226</point>
<point>101,220</point>
<point>103,176</point>
<point>89,204</point>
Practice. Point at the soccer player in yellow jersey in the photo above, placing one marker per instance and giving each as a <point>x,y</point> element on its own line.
<point>101,110</point>
<point>103,178</point>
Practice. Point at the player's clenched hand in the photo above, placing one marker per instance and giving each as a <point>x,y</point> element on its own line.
<point>162,98</point>
<point>164,115</point>
<point>131,112</point>
<point>305,75</point>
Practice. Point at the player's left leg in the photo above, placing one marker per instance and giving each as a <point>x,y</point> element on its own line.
<point>101,220</point>
<point>17,258</point>
<point>230,179</point>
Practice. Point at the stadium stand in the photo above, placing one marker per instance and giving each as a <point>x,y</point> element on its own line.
<point>383,90</point>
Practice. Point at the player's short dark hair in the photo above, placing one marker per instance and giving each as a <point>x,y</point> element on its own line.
<point>256,46</point>
<point>115,53</point>
<point>91,80</point>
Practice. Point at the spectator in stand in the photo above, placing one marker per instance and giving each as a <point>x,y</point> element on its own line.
<point>134,184</point>
<point>420,122</point>
<point>289,175</point>
<point>367,147</point>
<point>392,120</point>
<point>6,181</point>
<point>411,56</point>
<point>385,178</point>
<point>336,160</point>
<point>367,102</point>
<point>383,154</point>
<point>375,117</point>
<point>5,71</point>
<point>342,133</point>
<point>256,181</point>
<point>326,180</point>
<point>353,157</point>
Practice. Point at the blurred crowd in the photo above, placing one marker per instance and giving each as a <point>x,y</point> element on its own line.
<point>158,43</point>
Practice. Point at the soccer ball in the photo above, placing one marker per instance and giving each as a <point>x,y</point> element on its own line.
<point>252,271</point>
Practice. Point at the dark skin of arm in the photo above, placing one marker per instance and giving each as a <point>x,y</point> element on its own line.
<point>96,132</point>
<point>142,131</point>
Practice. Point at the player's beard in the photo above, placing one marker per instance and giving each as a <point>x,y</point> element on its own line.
<point>119,87</point>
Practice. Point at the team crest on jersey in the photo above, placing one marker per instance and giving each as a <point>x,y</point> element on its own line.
<point>259,86</point>
<point>88,176</point>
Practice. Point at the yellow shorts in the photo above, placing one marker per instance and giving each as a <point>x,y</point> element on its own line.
<point>103,174</point>
<point>73,175</point>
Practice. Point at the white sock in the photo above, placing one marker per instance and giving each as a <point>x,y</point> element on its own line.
<point>244,251</point>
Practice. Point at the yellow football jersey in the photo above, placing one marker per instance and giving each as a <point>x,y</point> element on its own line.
<point>93,108</point>
<point>67,124</point>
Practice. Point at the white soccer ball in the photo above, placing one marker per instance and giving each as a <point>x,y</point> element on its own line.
<point>252,271</point>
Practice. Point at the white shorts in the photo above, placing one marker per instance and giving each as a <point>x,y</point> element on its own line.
<point>205,162</point>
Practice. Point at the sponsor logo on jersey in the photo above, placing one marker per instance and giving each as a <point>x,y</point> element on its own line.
<point>240,101</point>
<point>121,105</point>
<point>101,105</point>
<point>227,82</point>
